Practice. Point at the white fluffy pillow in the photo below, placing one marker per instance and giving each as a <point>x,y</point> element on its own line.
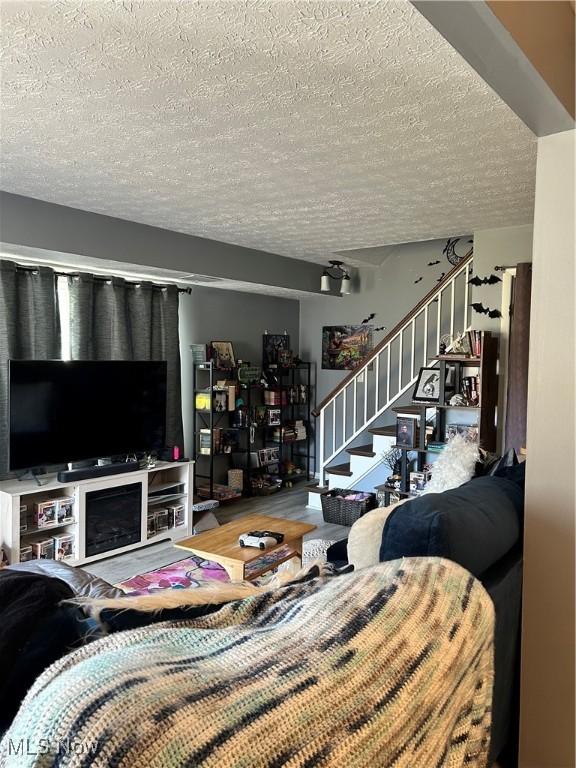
<point>454,466</point>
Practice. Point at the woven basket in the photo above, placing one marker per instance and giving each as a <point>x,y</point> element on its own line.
<point>341,512</point>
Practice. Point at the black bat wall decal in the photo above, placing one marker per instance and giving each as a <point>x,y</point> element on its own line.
<point>371,316</point>
<point>479,307</point>
<point>380,328</point>
<point>433,263</point>
<point>491,280</point>
<point>441,277</point>
<point>417,281</point>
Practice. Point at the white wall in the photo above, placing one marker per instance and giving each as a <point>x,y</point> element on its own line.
<point>506,246</point>
<point>547,691</point>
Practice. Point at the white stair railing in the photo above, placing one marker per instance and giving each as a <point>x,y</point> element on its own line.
<point>392,367</point>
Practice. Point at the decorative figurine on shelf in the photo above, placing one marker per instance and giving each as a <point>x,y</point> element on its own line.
<point>240,415</point>
<point>392,459</point>
<point>445,342</point>
<point>260,415</point>
<point>285,358</point>
<point>457,344</point>
<point>381,498</point>
<point>461,344</point>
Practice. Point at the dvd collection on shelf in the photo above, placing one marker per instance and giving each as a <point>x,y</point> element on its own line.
<point>165,518</point>
<point>41,516</point>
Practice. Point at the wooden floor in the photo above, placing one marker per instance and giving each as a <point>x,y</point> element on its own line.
<point>289,503</point>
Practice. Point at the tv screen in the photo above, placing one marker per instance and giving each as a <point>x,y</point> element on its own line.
<point>64,411</point>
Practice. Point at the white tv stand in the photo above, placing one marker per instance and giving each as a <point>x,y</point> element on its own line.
<point>17,499</point>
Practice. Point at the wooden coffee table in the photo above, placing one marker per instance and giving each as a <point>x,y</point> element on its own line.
<point>221,545</point>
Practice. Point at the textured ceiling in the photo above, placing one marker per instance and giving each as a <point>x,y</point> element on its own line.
<point>300,128</point>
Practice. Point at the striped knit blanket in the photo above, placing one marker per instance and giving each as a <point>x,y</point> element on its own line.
<point>388,666</point>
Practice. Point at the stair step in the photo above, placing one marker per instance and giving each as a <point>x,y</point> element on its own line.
<point>362,450</point>
<point>315,488</point>
<point>339,469</point>
<point>388,431</point>
<point>408,408</point>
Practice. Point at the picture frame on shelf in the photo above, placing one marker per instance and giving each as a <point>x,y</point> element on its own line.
<point>469,432</point>
<point>274,417</point>
<point>272,345</point>
<point>268,456</point>
<point>405,432</point>
<point>427,389</point>
<point>222,353</point>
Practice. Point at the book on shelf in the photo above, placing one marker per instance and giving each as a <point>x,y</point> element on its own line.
<point>475,342</point>
<point>471,389</point>
<point>208,443</point>
<point>275,397</point>
<point>217,400</point>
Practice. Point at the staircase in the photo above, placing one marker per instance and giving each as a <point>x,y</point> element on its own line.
<point>356,424</point>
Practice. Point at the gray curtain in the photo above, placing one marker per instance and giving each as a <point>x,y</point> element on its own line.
<point>116,320</point>
<point>29,329</point>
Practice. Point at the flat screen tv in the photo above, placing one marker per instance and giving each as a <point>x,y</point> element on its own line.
<point>63,412</point>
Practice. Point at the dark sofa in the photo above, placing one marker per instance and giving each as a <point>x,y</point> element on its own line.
<point>480,526</point>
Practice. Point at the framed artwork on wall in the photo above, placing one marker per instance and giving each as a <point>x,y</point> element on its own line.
<point>345,346</point>
<point>274,346</point>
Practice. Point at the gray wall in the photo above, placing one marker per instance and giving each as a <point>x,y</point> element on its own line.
<point>389,290</point>
<point>27,224</point>
<point>209,314</point>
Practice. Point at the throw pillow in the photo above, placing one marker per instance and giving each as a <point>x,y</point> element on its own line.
<point>455,466</point>
<point>365,536</point>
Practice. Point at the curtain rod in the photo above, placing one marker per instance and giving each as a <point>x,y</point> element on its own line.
<point>102,278</point>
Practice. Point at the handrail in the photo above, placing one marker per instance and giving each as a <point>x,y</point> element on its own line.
<point>391,334</point>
